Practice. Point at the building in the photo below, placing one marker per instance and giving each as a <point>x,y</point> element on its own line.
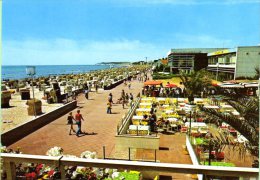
<point>234,63</point>
<point>189,59</point>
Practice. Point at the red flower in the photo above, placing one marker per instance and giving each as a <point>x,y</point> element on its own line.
<point>30,176</point>
<point>51,172</point>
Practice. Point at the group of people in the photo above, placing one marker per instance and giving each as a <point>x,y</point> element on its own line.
<point>87,88</point>
<point>125,98</point>
<point>77,119</point>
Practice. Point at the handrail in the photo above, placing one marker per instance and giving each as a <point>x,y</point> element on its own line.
<point>131,165</point>
<point>129,114</point>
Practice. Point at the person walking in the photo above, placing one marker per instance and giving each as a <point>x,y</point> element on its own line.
<point>123,98</point>
<point>109,107</point>
<point>110,98</point>
<point>129,85</point>
<point>70,122</point>
<point>96,87</point>
<point>86,92</point>
<point>78,119</point>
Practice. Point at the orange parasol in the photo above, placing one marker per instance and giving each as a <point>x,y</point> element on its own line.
<point>153,82</point>
<point>171,85</point>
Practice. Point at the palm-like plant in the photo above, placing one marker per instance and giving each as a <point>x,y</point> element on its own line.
<point>248,122</point>
<point>195,82</point>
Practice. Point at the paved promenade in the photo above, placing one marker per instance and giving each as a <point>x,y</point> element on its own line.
<point>104,128</point>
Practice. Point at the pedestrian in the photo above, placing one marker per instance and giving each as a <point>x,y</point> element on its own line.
<point>131,97</point>
<point>96,87</point>
<point>78,119</point>
<point>123,98</point>
<point>110,98</point>
<point>70,122</point>
<point>109,107</point>
<point>126,98</point>
<point>86,92</point>
<point>129,85</point>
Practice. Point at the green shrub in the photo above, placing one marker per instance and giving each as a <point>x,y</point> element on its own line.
<point>219,164</point>
<point>164,76</point>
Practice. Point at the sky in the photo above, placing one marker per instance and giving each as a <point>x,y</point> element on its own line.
<point>70,32</point>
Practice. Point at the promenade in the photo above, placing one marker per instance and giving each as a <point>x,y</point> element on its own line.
<point>103,126</point>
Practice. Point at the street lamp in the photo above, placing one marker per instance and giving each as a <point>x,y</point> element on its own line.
<point>190,124</point>
<point>217,72</point>
<point>30,71</point>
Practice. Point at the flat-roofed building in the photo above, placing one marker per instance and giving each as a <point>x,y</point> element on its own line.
<point>234,63</point>
<point>189,59</point>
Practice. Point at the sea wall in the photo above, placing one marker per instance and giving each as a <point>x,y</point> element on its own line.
<point>26,128</point>
<point>116,83</point>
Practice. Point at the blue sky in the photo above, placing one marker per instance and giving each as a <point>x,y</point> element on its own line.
<point>40,32</point>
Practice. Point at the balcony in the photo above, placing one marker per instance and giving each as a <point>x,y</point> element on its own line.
<point>11,160</point>
<point>222,65</point>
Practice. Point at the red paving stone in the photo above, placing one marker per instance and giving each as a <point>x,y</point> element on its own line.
<point>93,110</point>
<point>103,126</point>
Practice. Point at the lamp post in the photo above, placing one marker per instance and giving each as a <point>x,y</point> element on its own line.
<point>30,71</point>
<point>190,124</point>
<point>217,72</point>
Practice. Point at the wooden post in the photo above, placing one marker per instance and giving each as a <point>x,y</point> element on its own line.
<point>62,171</point>
<point>210,148</point>
<point>10,170</point>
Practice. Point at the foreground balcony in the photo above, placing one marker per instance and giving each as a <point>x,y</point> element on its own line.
<point>10,160</point>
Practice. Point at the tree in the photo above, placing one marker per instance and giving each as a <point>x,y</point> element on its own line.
<point>248,122</point>
<point>195,82</point>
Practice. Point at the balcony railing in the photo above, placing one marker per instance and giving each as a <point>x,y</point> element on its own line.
<point>11,159</point>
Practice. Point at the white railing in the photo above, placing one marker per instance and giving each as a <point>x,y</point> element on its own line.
<point>128,116</point>
<point>11,159</point>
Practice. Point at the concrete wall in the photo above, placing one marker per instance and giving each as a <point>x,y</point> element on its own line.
<point>25,129</point>
<point>248,58</point>
<point>142,142</point>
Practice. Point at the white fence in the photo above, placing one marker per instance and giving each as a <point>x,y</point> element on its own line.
<point>11,159</point>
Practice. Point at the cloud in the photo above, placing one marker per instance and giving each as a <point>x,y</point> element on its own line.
<point>62,51</point>
<point>201,41</point>
<point>67,51</point>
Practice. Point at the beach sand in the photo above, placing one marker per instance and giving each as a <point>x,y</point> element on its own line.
<point>17,112</point>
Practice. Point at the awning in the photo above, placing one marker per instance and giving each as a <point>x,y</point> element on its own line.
<point>153,82</point>
<point>229,86</point>
<point>171,85</point>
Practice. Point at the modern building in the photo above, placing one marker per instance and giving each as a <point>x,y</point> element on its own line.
<point>189,59</point>
<point>234,63</point>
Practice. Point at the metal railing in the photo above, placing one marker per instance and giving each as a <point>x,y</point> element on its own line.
<point>128,116</point>
<point>10,160</point>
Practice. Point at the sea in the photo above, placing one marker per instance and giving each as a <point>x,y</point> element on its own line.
<point>19,72</point>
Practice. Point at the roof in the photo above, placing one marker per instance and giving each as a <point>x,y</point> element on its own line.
<point>195,50</point>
